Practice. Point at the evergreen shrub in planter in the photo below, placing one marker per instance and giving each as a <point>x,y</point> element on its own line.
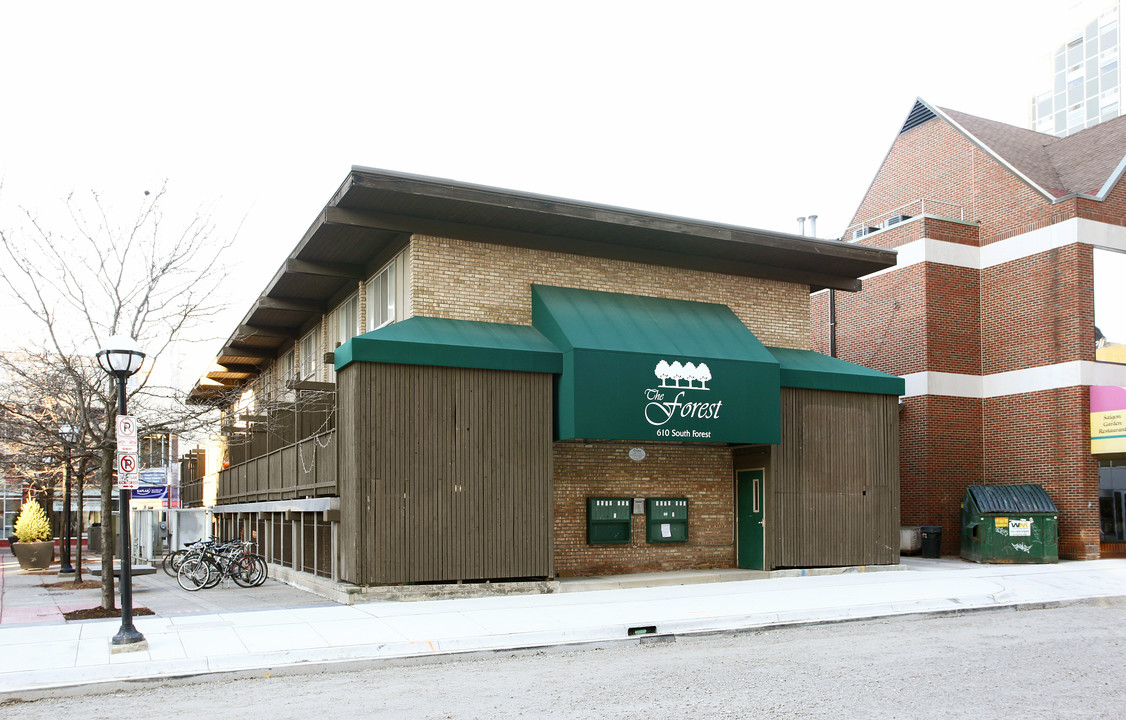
<point>36,548</point>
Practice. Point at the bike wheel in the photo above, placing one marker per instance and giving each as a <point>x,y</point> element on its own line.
<point>215,573</point>
<point>244,571</point>
<point>263,571</point>
<point>171,562</point>
<point>193,574</point>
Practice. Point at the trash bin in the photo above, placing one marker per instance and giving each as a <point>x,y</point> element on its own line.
<point>94,538</point>
<point>932,541</point>
<point>1009,524</point>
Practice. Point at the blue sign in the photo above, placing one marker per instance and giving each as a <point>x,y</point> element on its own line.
<point>150,492</point>
<point>154,476</point>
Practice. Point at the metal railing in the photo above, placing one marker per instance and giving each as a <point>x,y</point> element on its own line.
<point>301,470</point>
<point>915,208</point>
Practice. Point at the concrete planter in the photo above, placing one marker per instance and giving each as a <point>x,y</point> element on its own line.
<point>35,555</point>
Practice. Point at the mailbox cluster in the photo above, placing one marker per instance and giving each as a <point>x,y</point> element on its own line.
<point>609,520</point>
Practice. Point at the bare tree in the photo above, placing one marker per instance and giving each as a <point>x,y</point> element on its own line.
<point>96,278</point>
<point>38,410</point>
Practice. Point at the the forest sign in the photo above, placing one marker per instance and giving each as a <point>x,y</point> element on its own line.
<point>679,398</point>
<point>638,396</point>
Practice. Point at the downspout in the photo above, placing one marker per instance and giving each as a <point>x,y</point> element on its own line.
<point>832,322</point>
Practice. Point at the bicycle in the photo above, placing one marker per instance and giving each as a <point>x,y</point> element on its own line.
<point>171,562</point>
<point>211,564</point>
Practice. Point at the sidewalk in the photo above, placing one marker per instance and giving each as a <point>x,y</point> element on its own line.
<point>49,656</point>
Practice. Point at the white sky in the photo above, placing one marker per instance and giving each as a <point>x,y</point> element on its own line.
<point>751,113</point>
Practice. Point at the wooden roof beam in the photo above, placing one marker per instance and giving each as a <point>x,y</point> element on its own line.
<point>336,270</point>
<point>256,353</point>
<point>265,331</point>
<point>236,369</point>
<point>290,305</point>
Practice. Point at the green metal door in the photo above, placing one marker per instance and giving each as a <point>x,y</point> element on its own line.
<point>751,530</point>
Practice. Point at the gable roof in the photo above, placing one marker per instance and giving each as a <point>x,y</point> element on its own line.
<point>1025,150</point>
<point>1087,163</point>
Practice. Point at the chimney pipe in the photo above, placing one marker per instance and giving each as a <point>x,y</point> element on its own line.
<point>813,226</point>
<point>801,226</point>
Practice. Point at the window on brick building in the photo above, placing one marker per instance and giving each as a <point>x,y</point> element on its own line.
<point>343,322</point>
<point>381,298</point>
<point>1110,305</point>
<point>388,293</point>
<point>309,350</point>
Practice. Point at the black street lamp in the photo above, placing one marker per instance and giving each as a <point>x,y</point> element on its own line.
<point>69,435</point>
<point>122,357</point>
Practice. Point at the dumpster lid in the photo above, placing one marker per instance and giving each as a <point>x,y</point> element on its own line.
<point>1011,499</point>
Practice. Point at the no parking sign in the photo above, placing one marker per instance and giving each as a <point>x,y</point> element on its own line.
<point>128,469</point>
<point>128,476</point>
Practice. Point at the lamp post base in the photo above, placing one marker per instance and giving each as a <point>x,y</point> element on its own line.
<point>66,570</point>
<point>141,646</point>
<point>128,639</point>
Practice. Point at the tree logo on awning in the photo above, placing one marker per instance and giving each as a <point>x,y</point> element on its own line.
<point>672,376</point>
<point>682,378</point>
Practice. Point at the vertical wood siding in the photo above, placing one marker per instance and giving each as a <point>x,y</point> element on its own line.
<point>445,474</point>
<point>192,469</point>
<point>834,481</point>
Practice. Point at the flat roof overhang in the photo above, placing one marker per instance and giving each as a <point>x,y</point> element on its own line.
<point>374,213</point>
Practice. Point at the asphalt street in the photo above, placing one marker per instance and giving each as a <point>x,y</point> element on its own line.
<point>1061,662</point>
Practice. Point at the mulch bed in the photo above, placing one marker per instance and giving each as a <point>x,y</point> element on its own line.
<point>71,585</point>
<point>99,613</point>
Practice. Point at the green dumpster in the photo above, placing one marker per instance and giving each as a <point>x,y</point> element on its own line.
<point>1009,524</point>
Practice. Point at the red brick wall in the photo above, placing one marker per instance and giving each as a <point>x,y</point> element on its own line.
<point>704,475</point>
<point>882,327</point>
<point>936,163</point>
<point>948,443</point>
<point>1031,312</point>
<point>1038,310</point>
<point>950,160</point>
<point>940,445</point>
<point>954,319</point>
<point>1042,438</point>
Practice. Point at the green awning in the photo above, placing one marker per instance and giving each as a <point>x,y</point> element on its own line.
<point>643,368</point>
<point>814,371</point>
<point>454,343</point>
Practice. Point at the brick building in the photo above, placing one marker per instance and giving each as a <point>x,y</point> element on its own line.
<point>446,382</point>
<point>989,314</point>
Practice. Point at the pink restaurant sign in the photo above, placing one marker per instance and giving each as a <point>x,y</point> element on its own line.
<point>1108,419</point>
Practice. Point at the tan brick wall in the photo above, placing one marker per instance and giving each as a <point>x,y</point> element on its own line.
<point>704,475</point>
<point>467,280</point>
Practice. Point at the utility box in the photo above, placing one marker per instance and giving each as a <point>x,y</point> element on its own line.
<point>1009,524</point>
<point>910,539</point>
<point>666,520</point>
<point>608,520</point>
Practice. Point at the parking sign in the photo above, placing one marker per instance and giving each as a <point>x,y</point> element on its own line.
<point>128,474</point>
<point>126,434</point>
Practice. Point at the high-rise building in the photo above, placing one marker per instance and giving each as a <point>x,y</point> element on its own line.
<point>1085,79</point>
